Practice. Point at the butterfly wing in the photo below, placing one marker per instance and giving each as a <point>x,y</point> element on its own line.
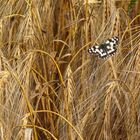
<point>94,50</point>
<point>106,49</point>
<point>111,46</point>
<point>100,51</point>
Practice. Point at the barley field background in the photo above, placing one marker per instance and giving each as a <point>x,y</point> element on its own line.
<point>51,88</point>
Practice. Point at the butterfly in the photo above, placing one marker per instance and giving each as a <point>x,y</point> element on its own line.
<point>106,49</point>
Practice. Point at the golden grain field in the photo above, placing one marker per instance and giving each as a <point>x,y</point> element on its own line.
<point>51,88</point>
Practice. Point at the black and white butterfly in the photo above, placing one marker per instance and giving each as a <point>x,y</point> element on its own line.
<point>106,49</point>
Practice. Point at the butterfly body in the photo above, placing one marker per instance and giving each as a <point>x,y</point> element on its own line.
<point>106,49</point>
